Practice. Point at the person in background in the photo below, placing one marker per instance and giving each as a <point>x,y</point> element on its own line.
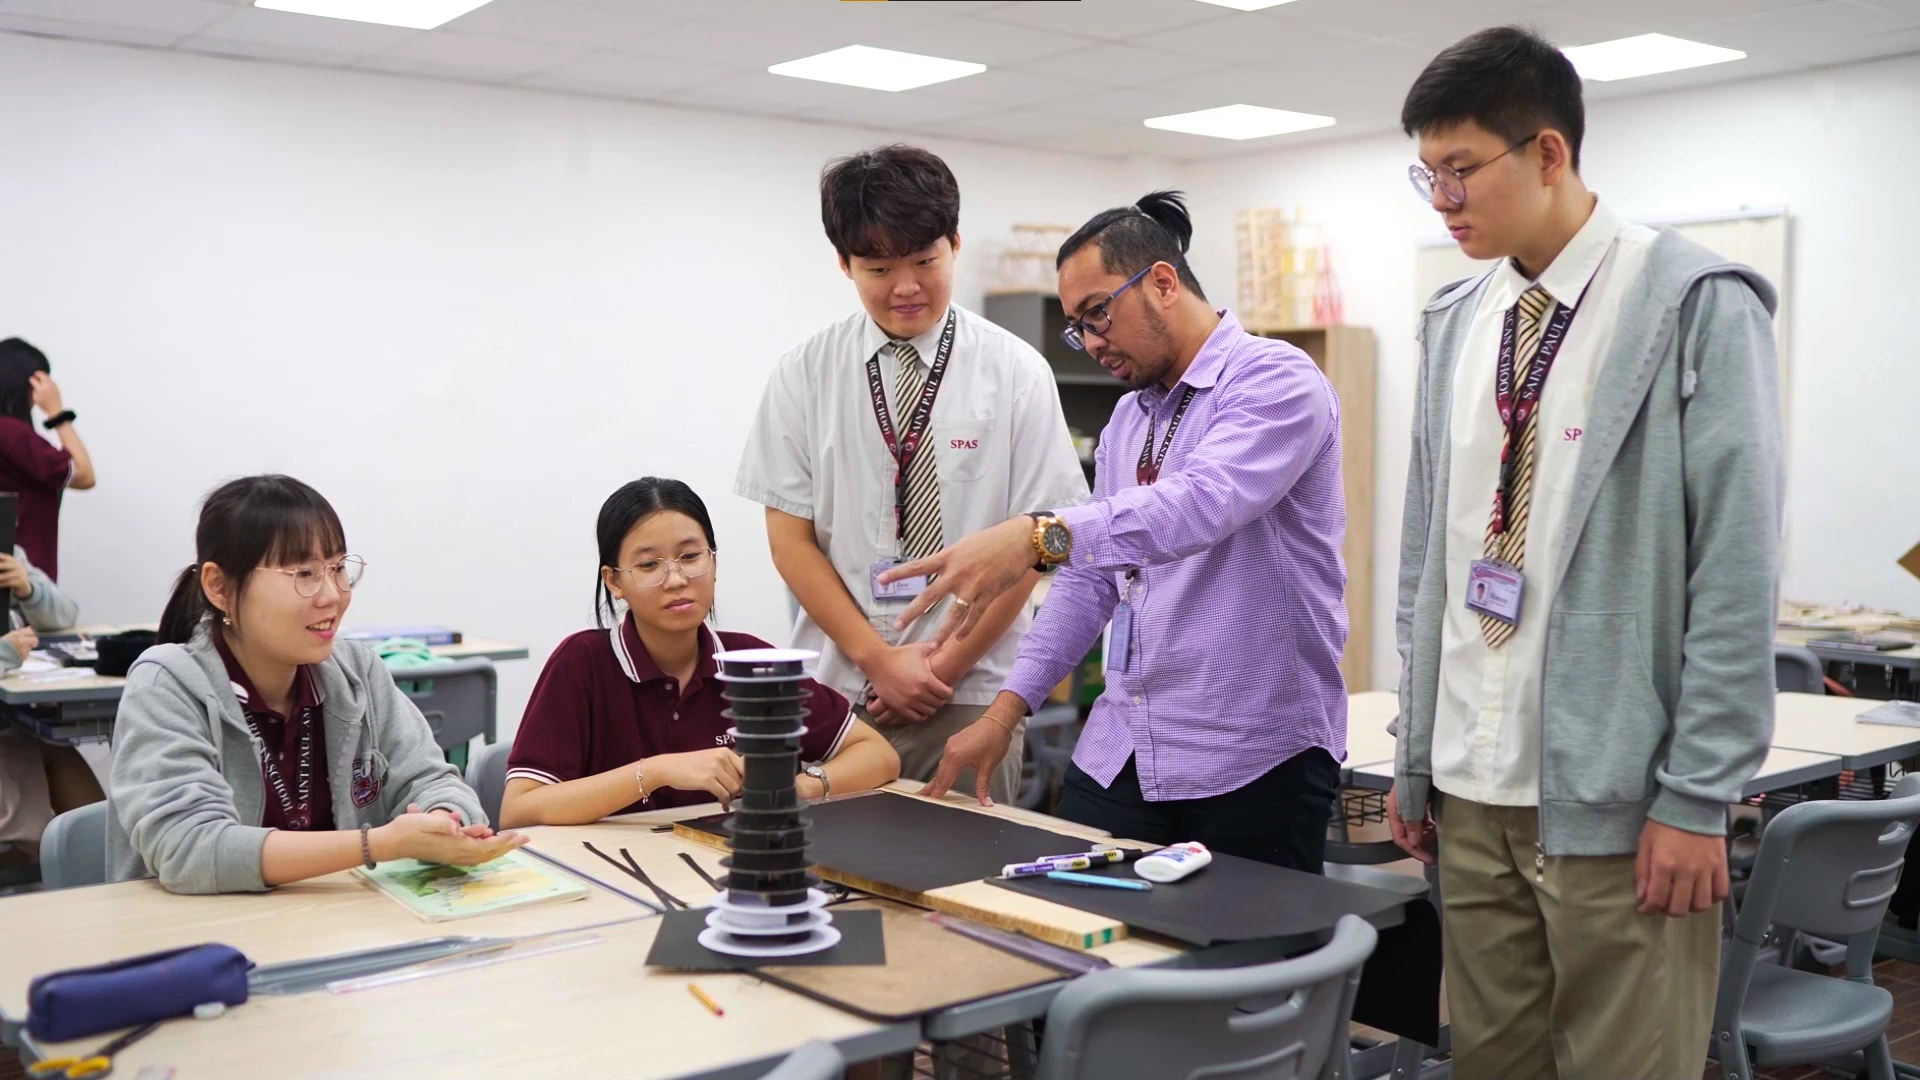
<point>40,472</point>
<point>886,434</point>
<point>252,748</point>
<point>1587,587</point>
<point>1212,546</point>
<point>37,779</point>
<point>628,717</point>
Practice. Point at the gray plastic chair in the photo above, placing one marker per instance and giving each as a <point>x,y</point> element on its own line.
<point>814,1061</point>
<point>1796,670</point>
<point>73,850</point>
<point>487,776</point>
<point>458,697</point>
<point>1135,1024</point>
<point>1826,868</point>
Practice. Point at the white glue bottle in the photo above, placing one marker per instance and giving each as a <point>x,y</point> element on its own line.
<point>1173,863</point>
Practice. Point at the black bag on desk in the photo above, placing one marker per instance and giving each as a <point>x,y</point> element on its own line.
<point>127,993</point>
<point>117,652</point>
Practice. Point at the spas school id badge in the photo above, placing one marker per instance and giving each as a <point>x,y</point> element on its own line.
<point>1495,589</point>
<point>366,788</point>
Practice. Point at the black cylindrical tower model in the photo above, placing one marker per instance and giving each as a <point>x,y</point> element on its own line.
<point>770,907</point>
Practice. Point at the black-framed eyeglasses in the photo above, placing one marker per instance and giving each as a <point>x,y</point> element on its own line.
<point>308,576</point>
<point>1097,320</point>
<point>1450,182</point>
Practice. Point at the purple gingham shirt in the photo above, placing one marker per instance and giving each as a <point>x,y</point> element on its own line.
<point>1238,623</point>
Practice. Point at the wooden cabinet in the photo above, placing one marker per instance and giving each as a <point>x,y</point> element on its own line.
<point>1345,354</point>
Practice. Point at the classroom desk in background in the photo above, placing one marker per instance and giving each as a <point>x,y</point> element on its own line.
<point>1368,742</point>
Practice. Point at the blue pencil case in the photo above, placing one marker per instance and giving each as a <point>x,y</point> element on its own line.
<point>74,1004</point>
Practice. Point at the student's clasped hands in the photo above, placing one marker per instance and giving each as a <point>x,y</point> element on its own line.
<point>440,836</point>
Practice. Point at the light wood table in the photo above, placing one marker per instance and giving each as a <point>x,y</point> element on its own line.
<point>1828,725</point>
<point>1783,768</point>
<point>594,1011</point>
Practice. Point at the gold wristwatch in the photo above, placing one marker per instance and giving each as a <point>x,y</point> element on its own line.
<point>1052,540</point>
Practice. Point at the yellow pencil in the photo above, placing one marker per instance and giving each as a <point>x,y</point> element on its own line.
<point>701,996</point>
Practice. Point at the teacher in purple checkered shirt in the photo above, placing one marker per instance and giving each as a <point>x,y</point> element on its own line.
<point>1212,546</point>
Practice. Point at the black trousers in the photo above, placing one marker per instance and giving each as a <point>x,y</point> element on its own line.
<point>1280,818</point>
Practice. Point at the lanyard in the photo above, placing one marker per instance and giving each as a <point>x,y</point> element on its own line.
<point>1147,470</point>
<point>1517,404</point>
<point>904,446</point>
<point>298,815</point>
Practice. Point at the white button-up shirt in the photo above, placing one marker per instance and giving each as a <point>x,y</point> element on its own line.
<point>1486,735</point>
<point>815,451</point>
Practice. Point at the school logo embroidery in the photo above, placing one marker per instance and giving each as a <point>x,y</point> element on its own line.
<point>365,787</point>
<point>1574,433</point>
<point>966,444</point>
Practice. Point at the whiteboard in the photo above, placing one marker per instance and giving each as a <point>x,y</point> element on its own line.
<point>1757,238</point>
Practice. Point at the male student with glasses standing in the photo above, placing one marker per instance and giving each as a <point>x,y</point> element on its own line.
<point>1587,571</point>
<point>887,433</point>
<point>1212,546</point>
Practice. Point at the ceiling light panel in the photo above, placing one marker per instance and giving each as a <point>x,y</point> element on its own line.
<point>1647,54</point>
<point>414,14</point>
<point>1246,5</point>
<point>877,69</point>
<point>1240,122</point>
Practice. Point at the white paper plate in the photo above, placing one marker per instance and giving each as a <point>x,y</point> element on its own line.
<point>724,920</point>
<point>824,938</point>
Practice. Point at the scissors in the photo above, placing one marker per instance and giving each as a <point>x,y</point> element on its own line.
<point>99,1064</point>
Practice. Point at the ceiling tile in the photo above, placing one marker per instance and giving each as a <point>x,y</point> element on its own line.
<point>1227,41</point>
<point>1114,20</point>
<point>1010,87</point>
<point>1844,50</point>
<point>1782,31</point>
<point>1565,26</point>
<point>1121,65</point>
<point>250,24</point>
<point>267,50</point>
<point>905,111</point>
<point>445,53</point>
<point>748,44</point>
<point>123,35</point>
<point>984,42</point>
<point>1434,24</point>
<point>620,75</point>
<point>1666,16</point>
<point>771,95</point>
<point>178,17</point>
<point>553,22</point>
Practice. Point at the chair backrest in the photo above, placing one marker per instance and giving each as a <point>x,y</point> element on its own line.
<point>814,1061</point>
<point>73,850</point>
<point>1211,1025</point>
<point>1796,670</point>
<point>1829,867</point>
<point>487,776</point>
<point>458,697</point>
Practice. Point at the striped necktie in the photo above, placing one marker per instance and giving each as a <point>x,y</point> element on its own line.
<point>1510,547</point>
<point>924,533</point>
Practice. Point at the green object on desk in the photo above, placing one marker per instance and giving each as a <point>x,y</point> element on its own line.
<point>402,652</point>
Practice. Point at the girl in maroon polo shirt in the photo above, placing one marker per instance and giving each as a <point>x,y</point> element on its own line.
<point>627,717</point>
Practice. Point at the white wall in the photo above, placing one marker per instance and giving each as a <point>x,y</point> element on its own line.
<point>464,314</point>
<point>1834,147</point>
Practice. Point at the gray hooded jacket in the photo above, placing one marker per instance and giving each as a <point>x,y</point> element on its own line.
<point>1657,698</point>
<point>187,792</point>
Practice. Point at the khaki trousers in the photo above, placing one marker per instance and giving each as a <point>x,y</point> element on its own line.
<point>921,745</point>
<point>1551,972</point>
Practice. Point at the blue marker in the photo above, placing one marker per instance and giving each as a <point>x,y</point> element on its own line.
<point>1095,880</point>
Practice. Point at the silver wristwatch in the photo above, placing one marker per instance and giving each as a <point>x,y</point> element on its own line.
<point>819,772</point>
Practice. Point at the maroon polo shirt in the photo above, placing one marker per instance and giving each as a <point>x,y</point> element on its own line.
<point>299,797</point>
<point>602,704</point>
<point>39,471</point>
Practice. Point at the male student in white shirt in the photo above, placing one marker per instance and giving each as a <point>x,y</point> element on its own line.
<point>970,409</point>
<point>1587,584</point>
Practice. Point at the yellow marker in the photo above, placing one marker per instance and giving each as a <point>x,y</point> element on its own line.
<point>701,996</point>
